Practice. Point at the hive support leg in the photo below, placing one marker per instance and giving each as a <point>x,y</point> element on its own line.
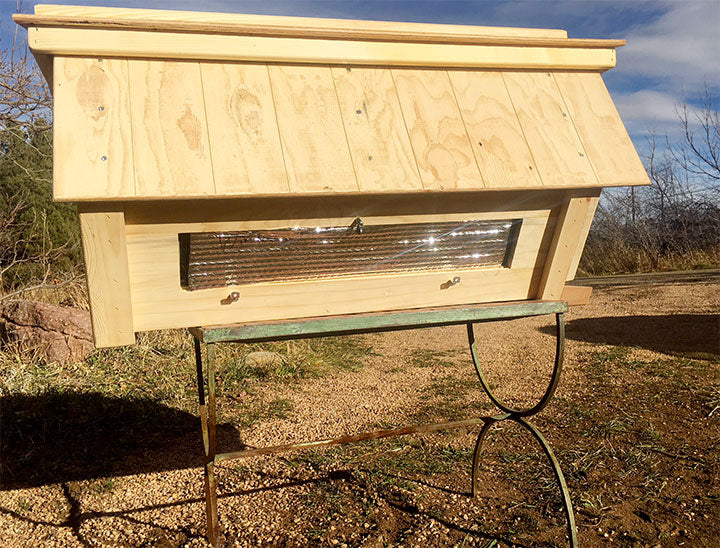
<point>208,420</point>
<point>519,416</point>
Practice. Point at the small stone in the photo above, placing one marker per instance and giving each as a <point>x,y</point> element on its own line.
<point>266,363</point>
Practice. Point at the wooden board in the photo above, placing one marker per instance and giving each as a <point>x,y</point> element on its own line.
<point>375,128</point>
<point>105,251</point>
<point>169,128</point>
<point>317,158</point>
<point>367,323</point>
<point>437,132</point>
<point>159,302</point>
<point>175,215</point>
<point>582,238</point>
<point>156,129</point>
<point>264,49</point>
<point>92,140</point>
<point>576,295</point>
<point>419,31</point>
<point>244,141</point>
<point>494,131</point>
<point>571,221</point>
<point>601,130</point>
<point>45,64</point>
<point>549,130</point>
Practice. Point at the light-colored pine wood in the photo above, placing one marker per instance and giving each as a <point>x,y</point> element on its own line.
<point>160,303</point>
<point>580,246</point>
<point>45,64</point>
<point>244,140</point>
<point>419,31</point>
<point>569,227</point>
<point>549,130</point>
<point>241,213</point>
<point>576,295</point>
<point>311,31</point>
<point>437,133</point>
<point>494,130</point>
<point>169,128</point>
<point>92,141</point>
<point>105,251</point>
<point>152,230</point>
<point>317,158</point>
<point>600,129</point>
<point>376,132</point>
<point>219,47</point>
<point>164,133</point>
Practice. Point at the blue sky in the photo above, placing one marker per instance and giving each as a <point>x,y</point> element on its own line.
<point>673,45</point>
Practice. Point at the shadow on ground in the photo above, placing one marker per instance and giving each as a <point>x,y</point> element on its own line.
<point>690,335</point>
<point>61,437</point>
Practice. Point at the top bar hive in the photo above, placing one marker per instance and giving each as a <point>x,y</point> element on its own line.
<point>173,126</point>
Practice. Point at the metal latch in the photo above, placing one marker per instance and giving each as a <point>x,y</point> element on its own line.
<point>450,283</point>
<point>356,226</point>
<point>232,298</point>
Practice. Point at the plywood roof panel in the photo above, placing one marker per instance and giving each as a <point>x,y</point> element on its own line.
<point>376,132</point>
<point>600,128</point>
<point>92,130</point>
<point>437,132</point>
<point>185,129</point>
<point>169,129</point>
<point>155,104</point>
<point>548,129</point>
<point>494,131</point>
<point>244,140</point>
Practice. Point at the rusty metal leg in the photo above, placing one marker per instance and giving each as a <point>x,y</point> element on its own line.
<point>208,420</point>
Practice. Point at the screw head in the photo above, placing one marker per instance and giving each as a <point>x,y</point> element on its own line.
<point>103,158</point>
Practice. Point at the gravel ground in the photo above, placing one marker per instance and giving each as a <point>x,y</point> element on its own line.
<point>347,497</point>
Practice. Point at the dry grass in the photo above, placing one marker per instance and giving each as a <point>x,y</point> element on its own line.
<point>106,451</point>
<point>617,258</point>
<point>160,365</point>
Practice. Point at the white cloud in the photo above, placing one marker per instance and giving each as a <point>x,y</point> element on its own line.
<point>647,106</point>
<point>646,111</point>
<point>681,48</point>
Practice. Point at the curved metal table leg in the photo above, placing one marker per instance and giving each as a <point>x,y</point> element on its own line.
<point>518,416</point>
<point>554,379</point>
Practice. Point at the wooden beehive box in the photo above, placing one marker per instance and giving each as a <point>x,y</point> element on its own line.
<point>315,167</point>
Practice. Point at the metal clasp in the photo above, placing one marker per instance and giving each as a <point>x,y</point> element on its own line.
<point>356,226</point>
<point>232,298</point>
<point>450,283</point>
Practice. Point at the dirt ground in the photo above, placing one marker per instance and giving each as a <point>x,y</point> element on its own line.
<point>635,425</point>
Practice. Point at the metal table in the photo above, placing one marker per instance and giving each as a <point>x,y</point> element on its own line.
<point>368,323</point>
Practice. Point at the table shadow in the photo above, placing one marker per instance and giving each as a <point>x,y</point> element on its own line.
<point>688,335</point>
<point>59,437</point>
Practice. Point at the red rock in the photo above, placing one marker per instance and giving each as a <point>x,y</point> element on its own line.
<point>57,333</point>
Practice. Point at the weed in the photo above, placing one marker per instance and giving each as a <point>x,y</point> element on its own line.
<point>599,361</point>
<point>424,357</point>
<point>104,486</point>
<point>24,505</point>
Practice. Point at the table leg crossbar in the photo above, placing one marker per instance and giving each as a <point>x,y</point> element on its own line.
<point>519,416</point>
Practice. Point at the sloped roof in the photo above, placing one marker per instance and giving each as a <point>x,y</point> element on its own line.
<point>262,119</point>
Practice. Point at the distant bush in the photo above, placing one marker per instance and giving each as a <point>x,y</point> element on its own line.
<point>37,233</point>
<point>672,224</point>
